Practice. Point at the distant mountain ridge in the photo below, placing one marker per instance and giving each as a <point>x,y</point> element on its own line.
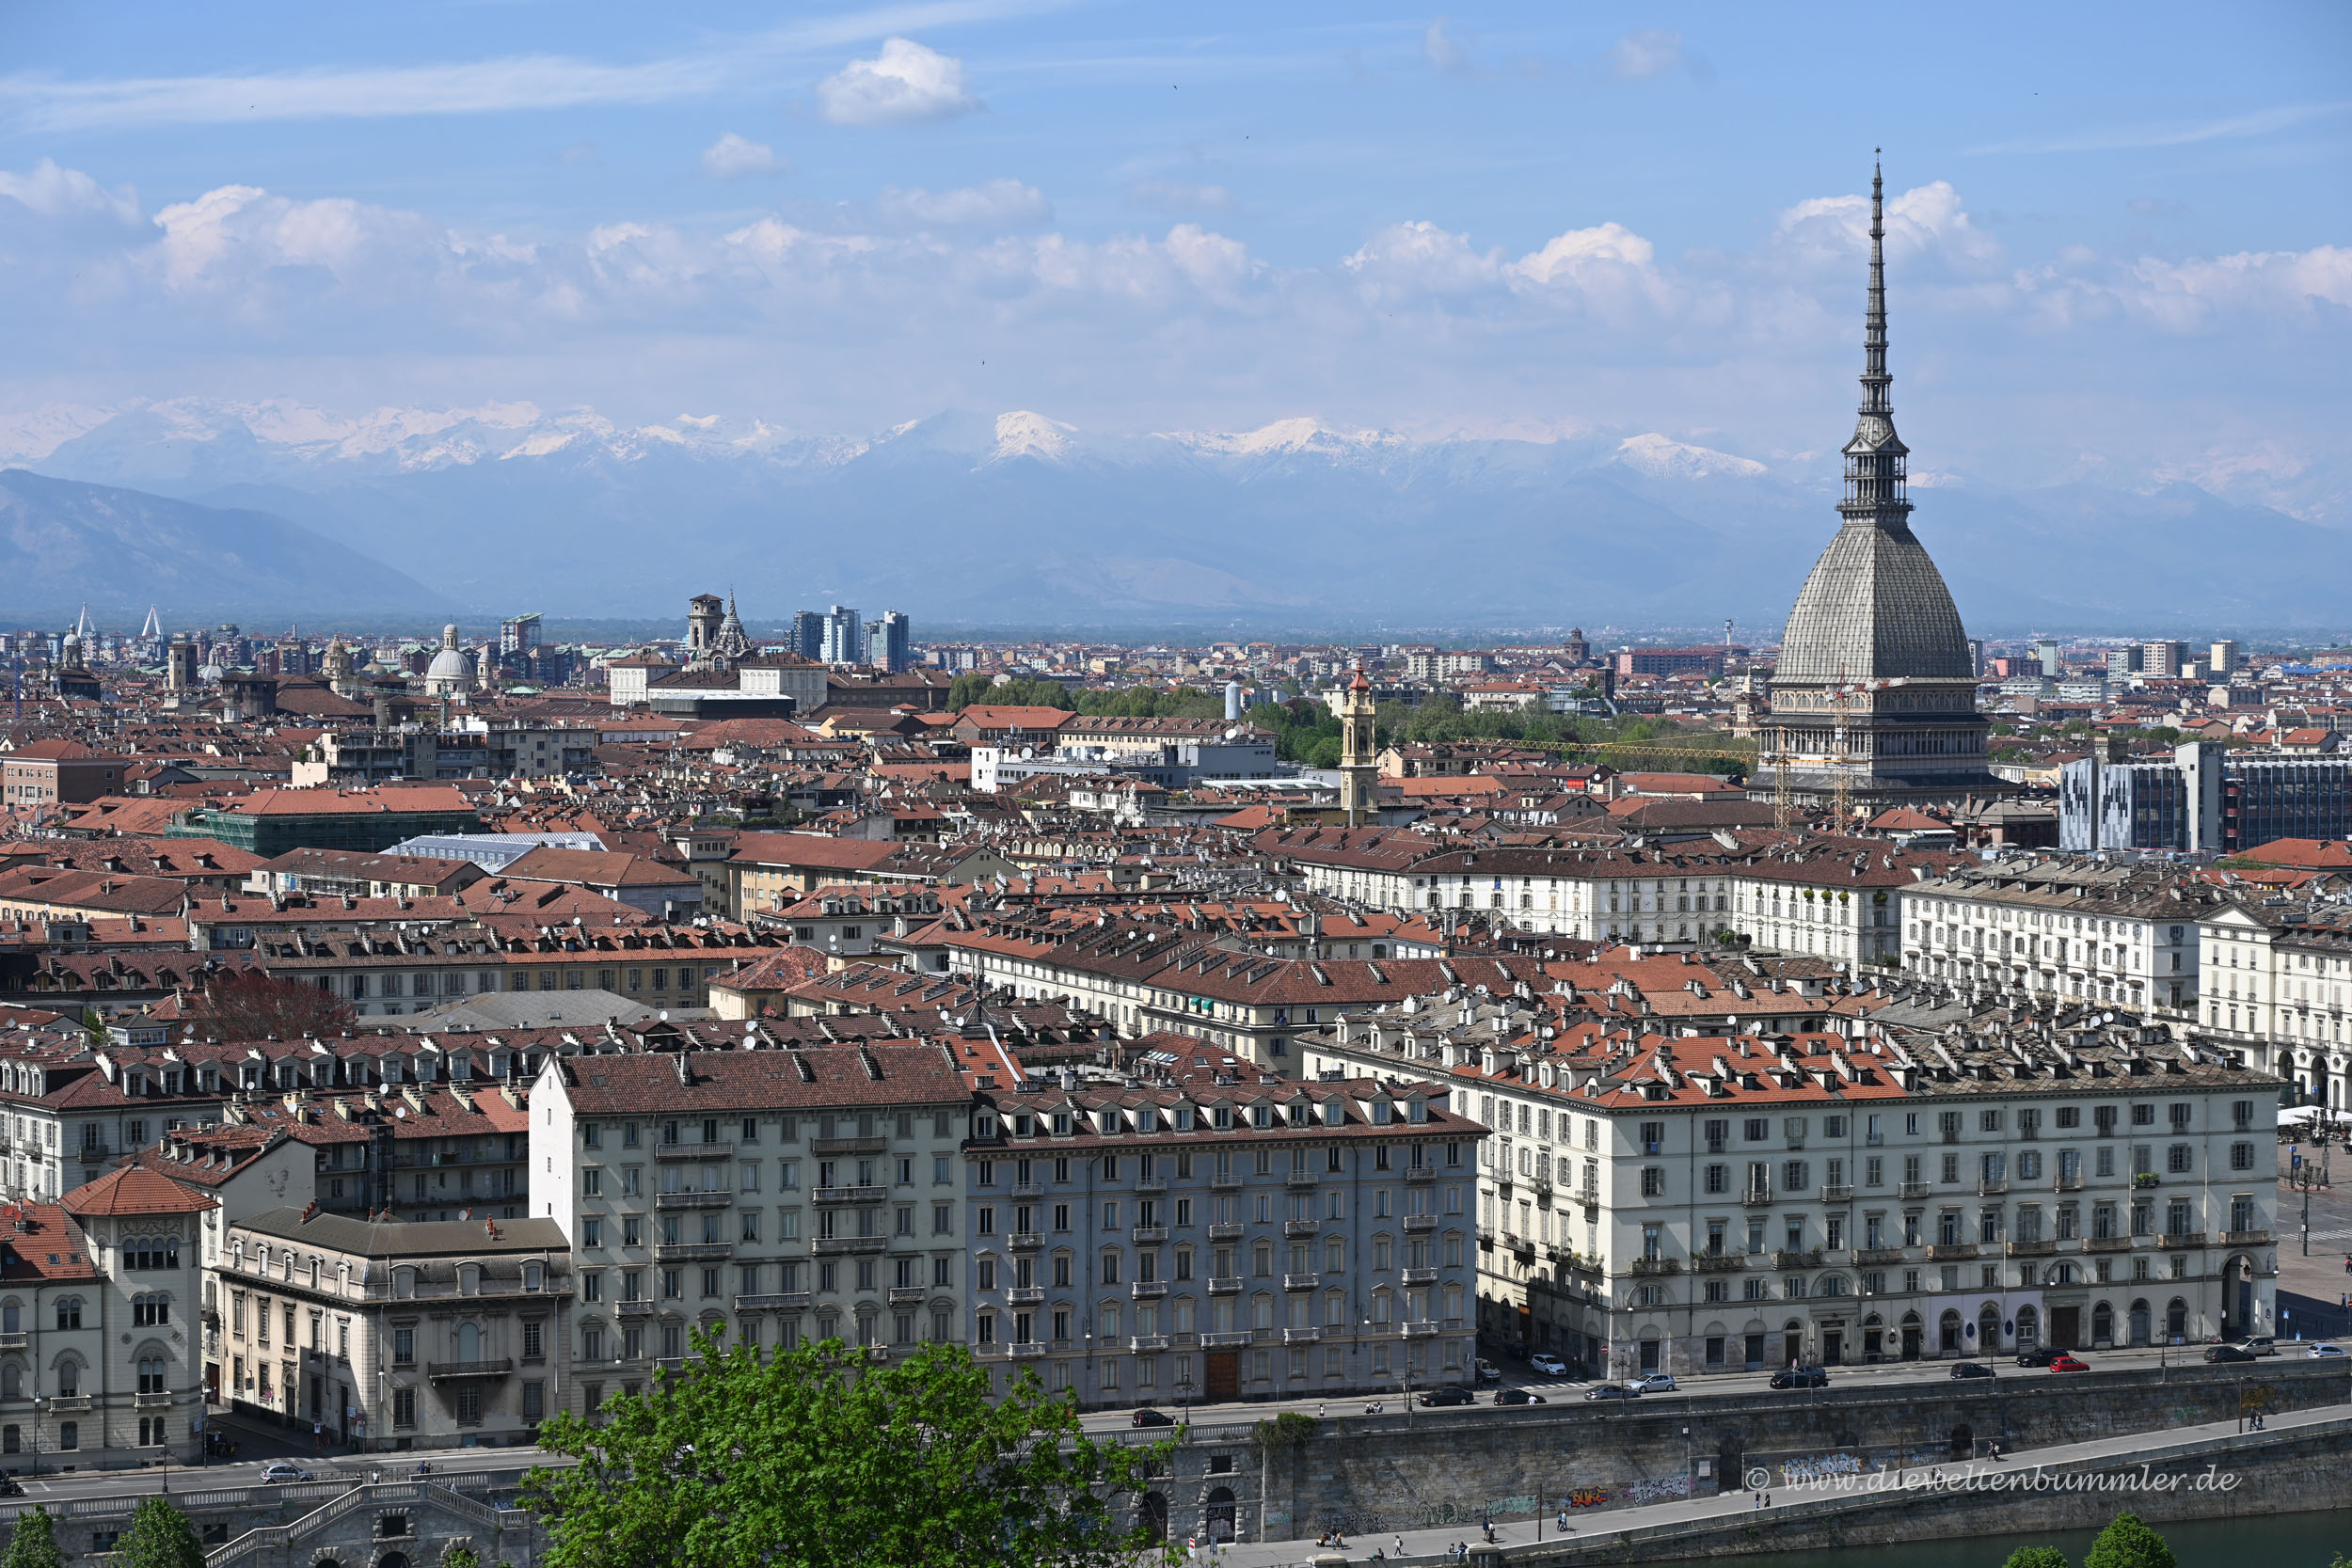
<point>1019,518</point>
<point>64,543</point>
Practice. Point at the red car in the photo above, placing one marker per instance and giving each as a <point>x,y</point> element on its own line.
<point>2068,1364</point>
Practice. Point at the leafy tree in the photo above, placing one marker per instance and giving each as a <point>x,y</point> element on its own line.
<point>2127,1542</point>
<point>815,1457</point>
<point>2036,1557</point>
<point>35,1543</point>
<point>248,1005</point>
<point>160,1536</point>
<point>465,1557</point>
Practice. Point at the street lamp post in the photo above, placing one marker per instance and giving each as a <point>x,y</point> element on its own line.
<point>39,1404</point>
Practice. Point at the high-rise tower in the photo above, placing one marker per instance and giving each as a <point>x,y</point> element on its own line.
<point>1874,680</point>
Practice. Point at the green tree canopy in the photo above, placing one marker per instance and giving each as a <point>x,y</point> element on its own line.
<point>160,1536</point>
<point>2127,1542</point>
<point>2036,1557</point>
<point>815,1457</point>
<point>35,1543</point>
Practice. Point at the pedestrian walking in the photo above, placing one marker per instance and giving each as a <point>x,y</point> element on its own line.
<point>1318,1412</point>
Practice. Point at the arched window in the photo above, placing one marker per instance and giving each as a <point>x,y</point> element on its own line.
<point>152,1375</point>
<point>404,1282</point>
<point>70,1312</point>
<point>11,1318</point>
<point>532,1276</point>
<point>12,1382</point>
<point>469,1342</point>
<point>469,1279</point>
<point>68,1378</point>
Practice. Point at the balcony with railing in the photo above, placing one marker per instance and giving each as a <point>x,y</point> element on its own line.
<point>1148,1289</point>
<point>1026,1241</point>
<point>1224,1183</point>
<point>2176,1241</point>
<point>1420,1174</point>
<point>2246,1238</point>
<point>1225,1339</point>
<point>1026,1295</point>
<point>1300,1336</point>
<point>2066,1184</point>
<point>1298,1179</point>
<point>1420,1222</point>
<point>694,1151</point>
<point>772,1301</point>
<point>1992,1186</point>
<point>1151,1184</point>
<point>1147,1342</point>
<point>1420,1277</point>
<point>1301,1282</point>
<point>1945,1252</point>
<point>1225,1231</point>
<point>1300,1228</point>
<point>1912,1189</point>
<point>836,1245</point>
<point>2040,1247</point>
<point>1807,1257</point>
<point>1718,1262</point>
<point>1757,1197</point>
<point>1229,1286</point>
<point>2106,1244</point>
<point>692,1252</point>
<point>692,1200</point>
<point>851,1195</point>
<point>1149,1235</point>
<point>1836,1193</point>
<point>906,1295</point>
<point>844,1145</point>
<point>442,1371</point>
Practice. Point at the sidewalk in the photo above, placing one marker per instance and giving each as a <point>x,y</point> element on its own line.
<point>1429,1546</point>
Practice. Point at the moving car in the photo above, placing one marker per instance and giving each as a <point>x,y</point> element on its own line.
<point>1549,1364</point>
<point>1801,1377</point>
<point>2068,1364</point>
<point>2259,1344</point>
<point>1447,1396</point>
<point>1612,1391</point>
<point>281,1473</point>
<point>1519,1396</point>
<point>2038,1355</point>
<point>1653,1383</point>
<point>2231,1352</point>
<point>1488,1371</point>
<point>1149,1418</point>
<point>2320,1351</point>
<point>1971,1368</point>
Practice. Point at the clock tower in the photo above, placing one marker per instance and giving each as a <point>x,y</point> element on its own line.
<point>1360,762</point>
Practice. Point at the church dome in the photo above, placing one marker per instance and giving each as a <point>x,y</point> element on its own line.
<point>451,670</point>
<point>1874,608</point>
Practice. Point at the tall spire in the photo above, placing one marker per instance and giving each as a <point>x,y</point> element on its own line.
<point>1874,458</point>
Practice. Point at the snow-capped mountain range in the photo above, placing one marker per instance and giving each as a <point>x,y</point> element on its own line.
<point>1021,519</point>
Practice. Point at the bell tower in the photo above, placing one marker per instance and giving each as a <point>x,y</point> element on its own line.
<point>1360,764</point>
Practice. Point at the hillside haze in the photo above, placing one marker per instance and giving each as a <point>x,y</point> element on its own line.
<point>1020,519</point>
<point>64,543</point>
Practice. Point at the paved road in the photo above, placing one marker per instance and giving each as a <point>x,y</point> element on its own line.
<point>1719,1386</point>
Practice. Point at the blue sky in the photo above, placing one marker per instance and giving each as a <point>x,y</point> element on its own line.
<point>2123,248</point>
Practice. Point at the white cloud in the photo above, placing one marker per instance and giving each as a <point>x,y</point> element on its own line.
<point>904,83</point>
<point>1420,257</point>
<point>1929,219</point>
<point>996,204</point>
<point>1647,52</point>
<point>1582,254</point>
<point>1173,196</point>
<point>732,157</point>
<point>55,192</point>
<point>519,82</point>
<point>233,233</point>
<point>1444,50</point>
<point>2185,295</point>
<point>2260,122</point>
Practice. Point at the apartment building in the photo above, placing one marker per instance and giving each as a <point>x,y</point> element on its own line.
<point>2278,971</point>
<point>98,1301</point>
<point>2123,935</point>
<point>395,1335</point>
<point>1701,1204</point>
<point>775,1194</point>
<point>1837,899</point>
<point>1141,1245</point>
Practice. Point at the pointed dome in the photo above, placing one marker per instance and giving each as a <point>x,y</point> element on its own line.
<point>1875,607</point>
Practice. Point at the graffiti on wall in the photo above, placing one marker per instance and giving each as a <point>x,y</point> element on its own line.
<point>1817,1468</point>
<point>1658,1490</point>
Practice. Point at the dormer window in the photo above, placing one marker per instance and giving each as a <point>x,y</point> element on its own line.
<point>1417,1110</point>
<point>1382,1113</point>
<point>1061,1124</point>
<point>984,1125</point>
<point>1260,1115</point>
<point>1222,1116</point>
<point>1334,1114</point>
<point>534,1277</point>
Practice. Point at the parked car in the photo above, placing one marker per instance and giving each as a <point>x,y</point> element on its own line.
<point>1801,1377</point>
<point>1436,1397</point>
<point>2318,1352</point>
<point>1519,1396</point>
<point>1549,1364</point>
<point>281,1473</point>
<point>2259,1344</point>
<point>2068,1364</point>
<point>1971,1368</point>
<point>1148,1416</point>
<point>1488,1371</point>
<point>2038,1355</point>
<point>2231,1352</point>
<point>1653,1383</point>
